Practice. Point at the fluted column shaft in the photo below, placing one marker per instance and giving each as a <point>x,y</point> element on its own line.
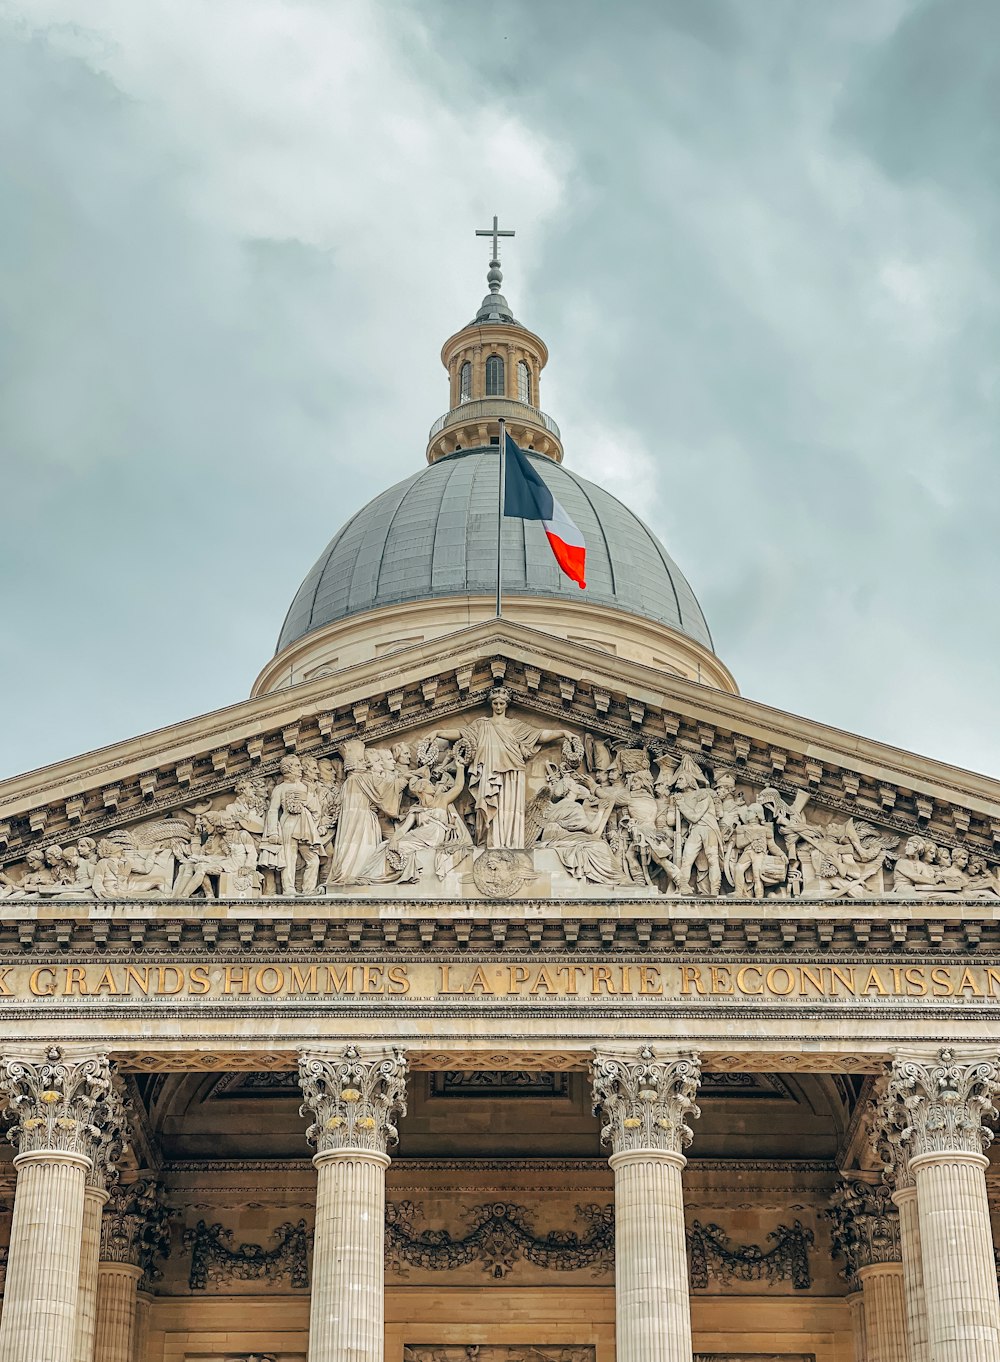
<point>960,1277</point>
<point>117,1285</point>
<point>347,1310</point>
<point>38,1323</point>
<point>90,1253</point>
<point>356,1097</point>
<point>885,1312</point>
<point>652,1300</point>
<point>913,1273</point>
<point>856,1305</point>
<point>143,1302</point>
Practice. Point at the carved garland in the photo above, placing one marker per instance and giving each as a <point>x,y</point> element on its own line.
<point>499,1234</point>
<point>710,1252</point>
<point>213,1259</point>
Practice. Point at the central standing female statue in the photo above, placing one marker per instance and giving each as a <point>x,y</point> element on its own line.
<point>499,748</point>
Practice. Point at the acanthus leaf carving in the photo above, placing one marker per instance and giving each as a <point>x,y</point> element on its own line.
<point>355,1097</point>
<point>948,1102</point>
<point>864,1226</point>
<point>645,1102</point>
<point>64,1105</point>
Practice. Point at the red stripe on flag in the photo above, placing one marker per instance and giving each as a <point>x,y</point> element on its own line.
<point>570,557</point>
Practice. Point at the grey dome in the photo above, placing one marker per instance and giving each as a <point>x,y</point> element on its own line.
<point>434,535</point>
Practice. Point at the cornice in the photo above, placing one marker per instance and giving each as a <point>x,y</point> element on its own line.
<point>862,931</point>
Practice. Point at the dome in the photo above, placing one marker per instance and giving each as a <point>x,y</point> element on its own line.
<point>433,536</point>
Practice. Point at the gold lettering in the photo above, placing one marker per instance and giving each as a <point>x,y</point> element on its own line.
<point>237,979</point>
<point>897,983</point>
<point>132,977</point>
<point>76,980</point>
<point>600,977</point>
<point>941,981</point>
<point>691,978</point>
<point>722,979</point>
<point>572,973</point>
<point>199,979</point>
<point>344,983</point>
<point>161,979</point>
<point>968,981</point>
<point>518,975</point>
<point>992,978</point>
<point>399,980</point>
<point>874,981</point>
<point>814,978</point>
<point>371,979</point>
<point>627,979</point>
<point>772,975</point>
<point>480,981</point>
<point>4,990</point>
<point>845,977</point>
<point>303,981</point>
<point>107,982</point>
<point>916,981</point>
<point>650,981</point>
<point>264,985</point>
<point>38,989</point>
<point>544,980</point>
<point>741,980</point>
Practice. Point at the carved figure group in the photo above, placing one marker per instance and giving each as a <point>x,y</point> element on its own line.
<point>615,815</point>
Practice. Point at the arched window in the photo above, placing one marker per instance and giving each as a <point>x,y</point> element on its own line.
<point>523,382</point>
<point>494,377</point>
<point>465,382</point>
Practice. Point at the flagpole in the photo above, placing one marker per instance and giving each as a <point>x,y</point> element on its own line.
<point>500,489</point>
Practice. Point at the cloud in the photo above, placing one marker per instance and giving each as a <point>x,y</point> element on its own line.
<point>763,258</point>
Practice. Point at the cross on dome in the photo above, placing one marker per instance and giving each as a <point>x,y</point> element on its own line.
<point>493,276</point>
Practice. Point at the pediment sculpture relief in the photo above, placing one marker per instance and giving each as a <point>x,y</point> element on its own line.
<point>497,805</point>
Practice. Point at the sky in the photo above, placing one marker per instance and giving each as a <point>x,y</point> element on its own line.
<point>760,237</point>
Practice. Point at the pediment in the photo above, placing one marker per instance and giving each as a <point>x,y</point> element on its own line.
<point>610,779</point>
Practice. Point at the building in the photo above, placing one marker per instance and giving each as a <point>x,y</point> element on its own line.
<point>628,1018</point>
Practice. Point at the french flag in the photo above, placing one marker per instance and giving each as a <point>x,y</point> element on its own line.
<point>527,497</point>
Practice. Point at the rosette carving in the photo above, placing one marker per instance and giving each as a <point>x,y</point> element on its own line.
<point>645,1102</point>
<point>65,1106</point>
<point>355,1097</point>
<point>864,1226</point>
<point>135,1227</point>
<point>947,1103</point>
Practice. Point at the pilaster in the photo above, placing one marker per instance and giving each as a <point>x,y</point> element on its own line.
<point>133,1233</point>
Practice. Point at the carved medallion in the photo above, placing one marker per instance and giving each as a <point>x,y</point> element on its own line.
<point>500,873</point>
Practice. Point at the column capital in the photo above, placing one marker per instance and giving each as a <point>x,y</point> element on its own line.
<point>644,1101</point>
<point>66,1105</point>
<point>865,1227</point>
<point>888,1140</point>
<point>355,1096</point>
<point>135,1228</point>
<point>947,1101</point>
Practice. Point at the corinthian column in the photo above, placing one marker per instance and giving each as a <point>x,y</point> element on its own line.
<point>59,1106</point>
<point>946,1100</point>
<point>645,1103</point>
<point>133,1232</point>
<point>102,1173</point>
<point>887,1142</point>
<point>356,1097</point>
<point>866,1235</point>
